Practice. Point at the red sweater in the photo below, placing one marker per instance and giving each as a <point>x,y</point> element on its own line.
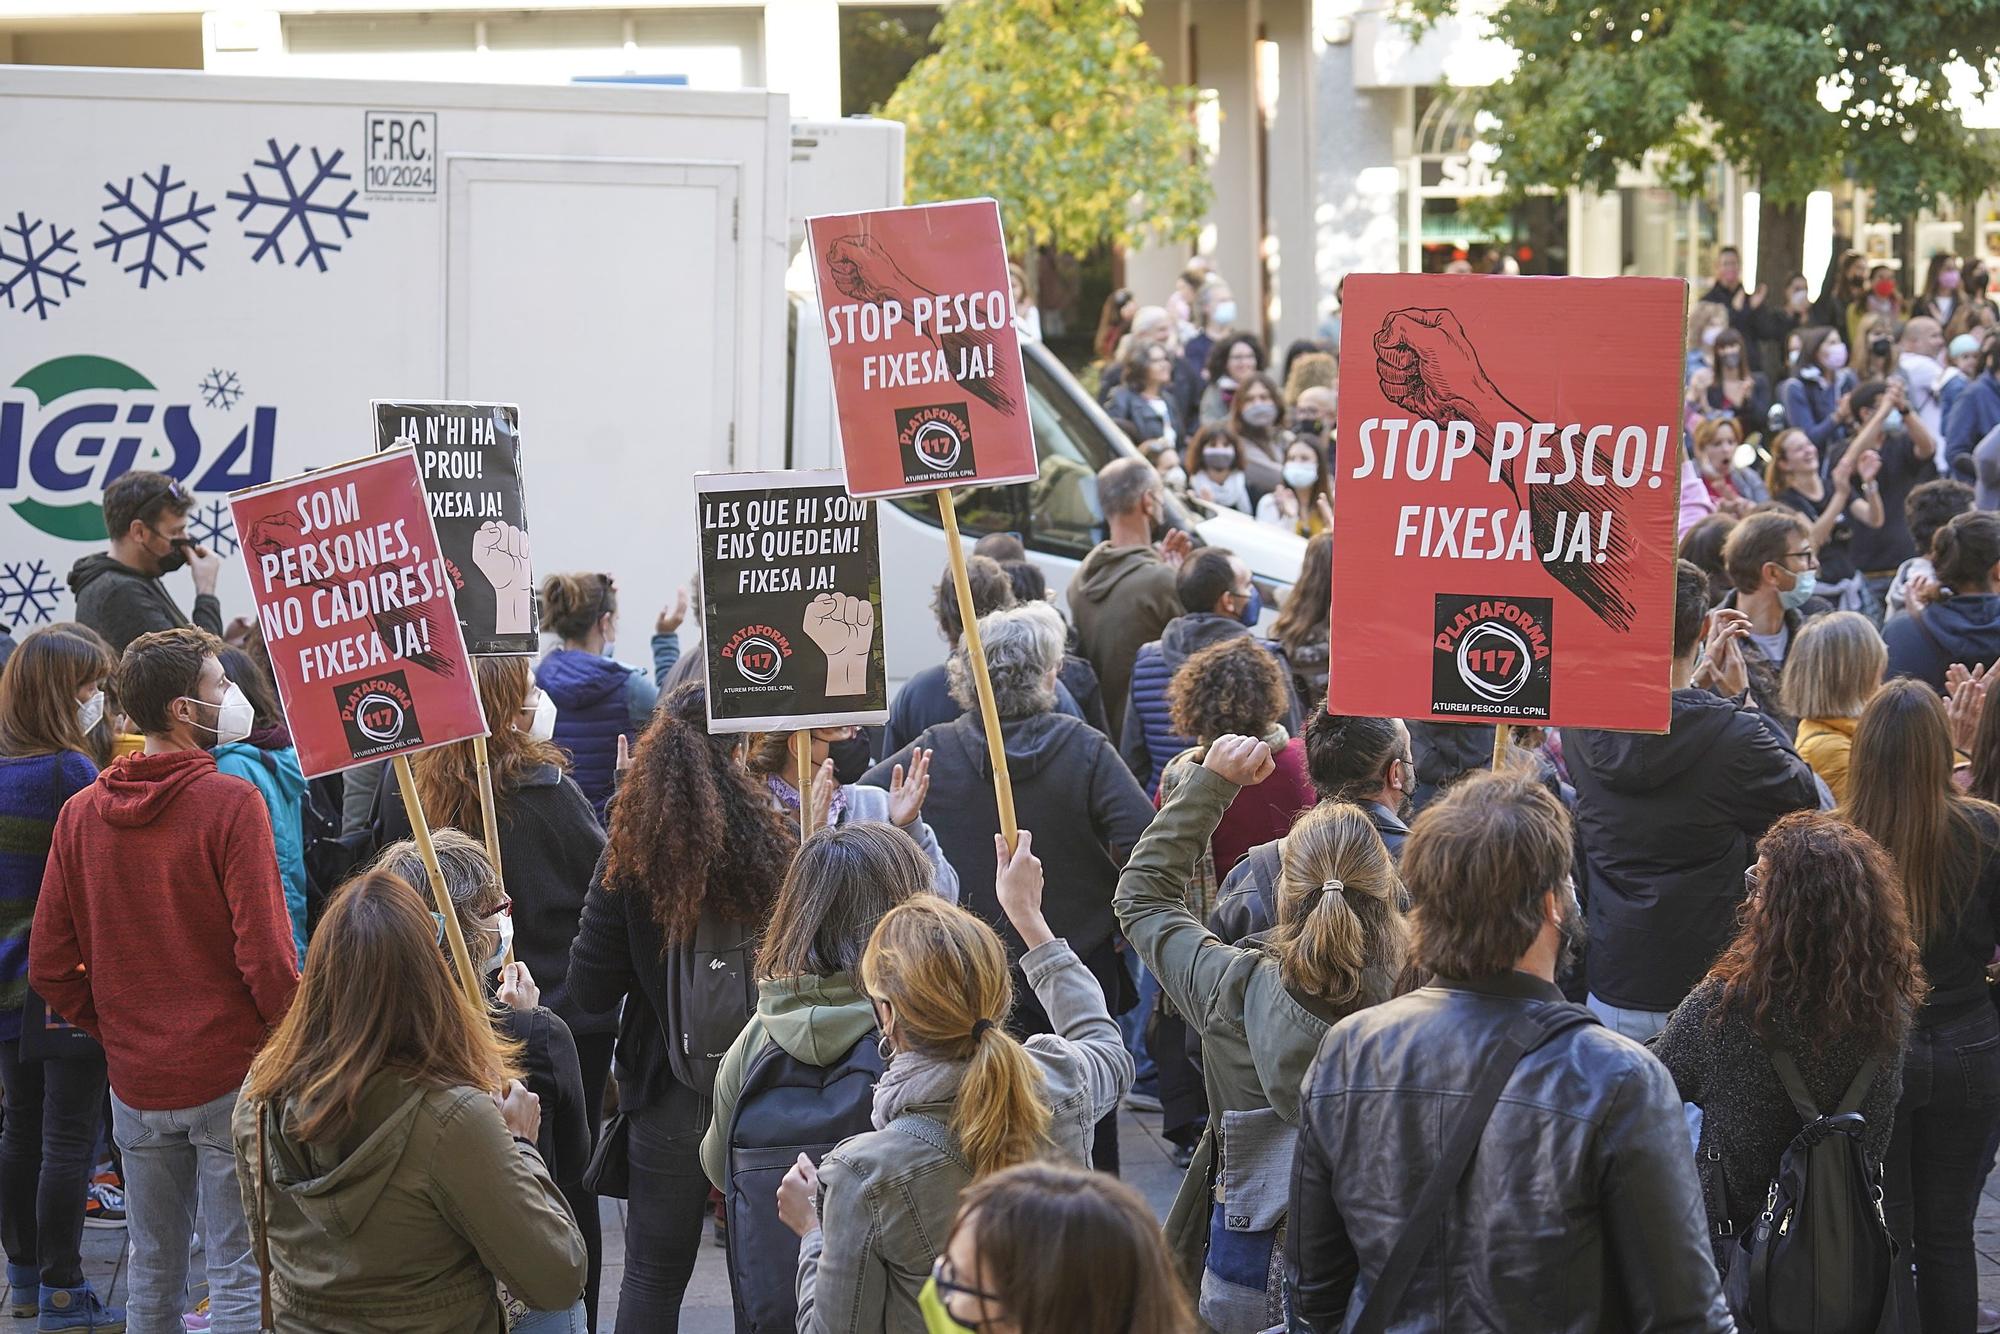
<point>161,929</point>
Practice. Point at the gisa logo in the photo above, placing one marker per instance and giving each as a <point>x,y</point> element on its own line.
<point>71,425</point>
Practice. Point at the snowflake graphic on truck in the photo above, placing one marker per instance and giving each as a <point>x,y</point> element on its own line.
<point>212,526</point>
<point>28,592</point>
<point>221,389</point>
<point>35,264</point>
<point>150,225</point>
<point>298,203</point>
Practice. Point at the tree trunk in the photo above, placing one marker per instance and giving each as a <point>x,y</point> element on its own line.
<point>1781,245</point>
<point>1781,249</point>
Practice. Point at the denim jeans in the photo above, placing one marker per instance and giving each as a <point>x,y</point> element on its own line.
<point>1638,1025</point>
<point>176,1162</point>
<point>1947,1125</point>
<point>665,1213</point>
<point>46,1153</point>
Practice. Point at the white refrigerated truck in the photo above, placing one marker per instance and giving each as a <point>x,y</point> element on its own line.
<point>212,275</point>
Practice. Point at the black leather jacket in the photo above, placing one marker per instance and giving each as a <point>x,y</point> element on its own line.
<point>1579,1212</point>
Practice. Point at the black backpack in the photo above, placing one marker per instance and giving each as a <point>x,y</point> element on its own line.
<point>1819,1257</point>
<point>785,1108</point>
<point>711,994</point>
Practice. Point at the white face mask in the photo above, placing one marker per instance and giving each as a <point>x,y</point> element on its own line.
<point>504,924</point>
<point>90,712</point>
<point>234,716</point>
<point>543,728</point>
<point>1299,476</point>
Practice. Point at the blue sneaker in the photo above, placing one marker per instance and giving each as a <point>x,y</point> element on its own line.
<point>24,1291</point>
<point>78,1308</point>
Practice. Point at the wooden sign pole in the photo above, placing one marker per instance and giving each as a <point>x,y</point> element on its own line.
<point>802,758</point>
<point>975,653</point>
<point>489,821</point>
<point>414,808</point>
<point>1503,736</point>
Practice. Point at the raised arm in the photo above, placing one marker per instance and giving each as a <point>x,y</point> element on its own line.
<point>1189,961</point>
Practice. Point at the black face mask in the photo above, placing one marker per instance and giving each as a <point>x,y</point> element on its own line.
<point>1880,347</point>
<point>1310,426</point>
<point>176,556</point>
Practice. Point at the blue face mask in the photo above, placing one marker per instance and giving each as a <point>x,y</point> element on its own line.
<point>1796,596</point>
<point>1893,423</point>
<point>1253,608</point>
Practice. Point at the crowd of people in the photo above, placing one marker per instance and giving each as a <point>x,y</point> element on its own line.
<point>884,1064</point>
<point>1210,408</point>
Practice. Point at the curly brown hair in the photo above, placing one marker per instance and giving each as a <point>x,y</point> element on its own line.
<point>1234,687</point>
<point>691,830</point>
<point>1824,934</point>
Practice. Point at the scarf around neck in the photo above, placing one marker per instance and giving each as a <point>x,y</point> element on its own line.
<point>912,1079</point>
<point>787,798</point>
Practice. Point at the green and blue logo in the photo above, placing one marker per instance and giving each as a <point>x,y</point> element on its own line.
<point>71,425</point>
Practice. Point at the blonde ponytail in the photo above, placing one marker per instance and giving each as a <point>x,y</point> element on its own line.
<point>1341,935</point>
<point>1000,1118</point>
<point>943,974</point>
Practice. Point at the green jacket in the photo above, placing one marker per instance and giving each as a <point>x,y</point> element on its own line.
<point>1257,1038</point>
<point>407,1220</point>
<point>815,1019</point>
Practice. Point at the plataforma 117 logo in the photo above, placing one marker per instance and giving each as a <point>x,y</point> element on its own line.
<point>72,424</point>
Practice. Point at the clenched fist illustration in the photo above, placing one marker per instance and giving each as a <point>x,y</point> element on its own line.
<point>1426,364</point>
<point>844,629</point>
<point>500,552</point>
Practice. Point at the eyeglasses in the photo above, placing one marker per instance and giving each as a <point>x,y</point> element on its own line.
<point>1753,883</point>
<point>947,1285</point>
<point>173,491</point>
<point>1810,557</point>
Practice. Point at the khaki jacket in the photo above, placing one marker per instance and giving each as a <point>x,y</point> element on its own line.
<point>408,1220</point>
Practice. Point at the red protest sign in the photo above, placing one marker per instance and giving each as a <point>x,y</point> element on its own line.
<point>1504,499</point>
<point>356,608</point>
<point>918,316</point>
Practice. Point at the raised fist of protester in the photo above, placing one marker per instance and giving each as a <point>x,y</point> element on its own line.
<point>906,794</point>
<point>1426,364</point>
<point>798,1197</point>
<point>520,1109</point>
<point>1017,883</point>
<point>1242,760</point>
<point>844,628</point>
<point>500,552</point>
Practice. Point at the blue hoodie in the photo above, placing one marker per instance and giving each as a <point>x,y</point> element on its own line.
<point>599,699</point>
<point>1924,642</point>
<point>270,762</point>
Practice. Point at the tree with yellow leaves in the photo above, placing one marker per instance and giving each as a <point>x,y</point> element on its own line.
<point>1057,109</point>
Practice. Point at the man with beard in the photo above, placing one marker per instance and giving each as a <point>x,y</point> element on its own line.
<point>1670,823</point>
<point>1581,1210</point>
<point>1365,762</point>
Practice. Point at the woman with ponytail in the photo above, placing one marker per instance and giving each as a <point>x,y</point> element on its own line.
<point>1260,1010</point>
<point>961,1098</point>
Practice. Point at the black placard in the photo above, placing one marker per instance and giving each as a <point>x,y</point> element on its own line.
<point>791,587</point>
<point>470,457</point>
